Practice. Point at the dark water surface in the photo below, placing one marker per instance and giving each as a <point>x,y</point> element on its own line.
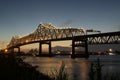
<point>77,68</point>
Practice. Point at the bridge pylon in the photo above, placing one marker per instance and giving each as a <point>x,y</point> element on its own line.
<point>40,46</point>
<point>12,50</point>
<point>80,42</point>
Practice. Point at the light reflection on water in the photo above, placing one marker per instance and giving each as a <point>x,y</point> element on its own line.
<point>77,68</point>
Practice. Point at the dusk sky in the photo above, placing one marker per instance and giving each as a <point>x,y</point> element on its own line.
<point>21,17</point>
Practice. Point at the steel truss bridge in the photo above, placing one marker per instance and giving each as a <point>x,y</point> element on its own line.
<point>45,33</point>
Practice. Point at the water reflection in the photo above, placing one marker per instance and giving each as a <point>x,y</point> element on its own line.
<point>84,69</point>
<point>77,68</point>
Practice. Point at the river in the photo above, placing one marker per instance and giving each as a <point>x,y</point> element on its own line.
<point>77,68</point>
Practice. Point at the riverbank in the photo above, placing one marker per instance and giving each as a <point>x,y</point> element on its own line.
<point>13,68</point>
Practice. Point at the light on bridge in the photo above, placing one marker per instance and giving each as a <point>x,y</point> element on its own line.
<point>26,41</point>
<point>110,50</point>
<point>6,50</point>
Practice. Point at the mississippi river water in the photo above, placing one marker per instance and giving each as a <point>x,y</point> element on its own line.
<point>77,68</point>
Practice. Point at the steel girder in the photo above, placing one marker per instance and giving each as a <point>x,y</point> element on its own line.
<point>110,39</point>
<point>102,38</point>
<point>46,32</point>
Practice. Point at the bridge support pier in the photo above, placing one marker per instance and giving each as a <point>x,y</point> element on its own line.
<point>40,47</point>
<point>12,50</point>
<point>73,48</point>
<point>50,52</point>
<point>86,48</point>
<point>79,42</point>
<point>18,49</point>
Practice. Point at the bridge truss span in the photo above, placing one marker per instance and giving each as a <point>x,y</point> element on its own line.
<point>105,38</point>
<point>46,32</point>
<point>49,32</point>
<point>102,38</point>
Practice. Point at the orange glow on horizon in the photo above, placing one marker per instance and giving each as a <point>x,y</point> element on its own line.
<point>62,43</point>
